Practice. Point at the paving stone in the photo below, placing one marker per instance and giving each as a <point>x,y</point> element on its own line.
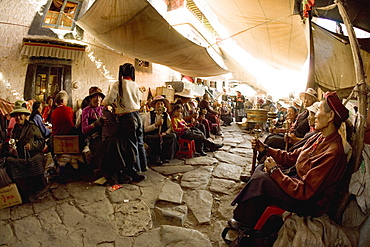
<point>223,186</point>
<point>227,171</point>
<point>172,236</point>
<point>200,203</point>
<point>127,192</point>
<point>52,224</point>
<point>60,193</point>
<point>84,191</point>
<point>225,210</point>
<point>198,178</point>
<point>232,158</point>
<point>43,204</point>
<point>69,214</point>
<point>21,211</point>
<point>174,162</point>
<point>173,169</point>
<point>201,161</point>
<point>175,215</point>
<point>132,218</point>
<point>101,209</point>
<point>4,213</point>
<point>150,194</point>
<point>27,227</point>
<point>171,192</point>
<point>6,233</point>
<point>152,177</point>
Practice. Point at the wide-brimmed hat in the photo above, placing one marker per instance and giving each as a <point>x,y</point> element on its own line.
<point>159,98</point>
<point>309,91</point>
<point>94,91</point>
<point>185,93</point>
<point>314,107</point>
<point>20,106</point>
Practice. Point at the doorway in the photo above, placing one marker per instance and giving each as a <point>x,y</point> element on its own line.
<point>47,78</point>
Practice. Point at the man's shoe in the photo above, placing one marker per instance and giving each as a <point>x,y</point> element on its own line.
<point>137,177</point>
<point>237,225</point>
<point>124,178</point>
<point>245,178</point>
<point>158,161</point>
<point>202,153</point>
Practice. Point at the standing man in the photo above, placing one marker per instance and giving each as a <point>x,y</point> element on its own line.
<point>125,96</point>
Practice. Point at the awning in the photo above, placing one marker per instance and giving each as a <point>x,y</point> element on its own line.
<point>266,29</point>
<point>334,67</point>
<point>136,29</point>
<point>42,48</point>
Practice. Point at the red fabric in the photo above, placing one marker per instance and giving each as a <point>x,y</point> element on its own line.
<point>341,112</point>
<point>62,120</point>
<point>307,4</point>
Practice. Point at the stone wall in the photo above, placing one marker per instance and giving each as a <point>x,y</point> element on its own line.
<point>98,68</point>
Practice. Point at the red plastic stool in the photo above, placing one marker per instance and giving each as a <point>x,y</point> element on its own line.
<point>186,147</point>
<point>270,210</point>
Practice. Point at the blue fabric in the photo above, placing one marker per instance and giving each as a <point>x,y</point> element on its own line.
<point>37,119</point>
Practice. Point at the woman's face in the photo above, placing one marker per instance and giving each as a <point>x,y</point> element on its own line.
<point>96,100</point>
<point>50,102</point>
<point>40,109</point>
<point>20,118</point>
<point>311,119</point>
<point>308,100</point>
<point>291,114</point>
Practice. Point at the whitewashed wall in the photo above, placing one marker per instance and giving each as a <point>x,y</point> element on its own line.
<point>98,68</point>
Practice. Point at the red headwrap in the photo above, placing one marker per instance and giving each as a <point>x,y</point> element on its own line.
<point>341,112</point>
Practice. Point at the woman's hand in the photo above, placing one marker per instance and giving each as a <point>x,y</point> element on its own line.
<point>258,145</point>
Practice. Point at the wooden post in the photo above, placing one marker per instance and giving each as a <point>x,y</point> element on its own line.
<point>362,104</point>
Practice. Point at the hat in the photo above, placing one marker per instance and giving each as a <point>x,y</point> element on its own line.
<point>309,91</point>
<point>341,112</point>
<point>93,91</point>
<point>20,106</point>
<point>314,107</point>
<point>185,93</point>
<point>159,98</point>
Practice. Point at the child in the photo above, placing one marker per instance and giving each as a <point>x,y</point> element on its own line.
<point>189,132</point>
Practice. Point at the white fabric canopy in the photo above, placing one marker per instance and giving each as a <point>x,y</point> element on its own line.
<point>135,28</point>
<point>334,67</point>
<point>266,29</point>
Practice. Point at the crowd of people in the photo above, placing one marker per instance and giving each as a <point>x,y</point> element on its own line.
<point>121,140</point>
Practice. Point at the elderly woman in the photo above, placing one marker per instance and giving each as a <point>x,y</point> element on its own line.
<point>307,189</point>
<point>28,172</point>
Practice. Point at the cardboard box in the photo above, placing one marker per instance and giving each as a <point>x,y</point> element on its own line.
<point>9,196</point>
<point>66,145</point>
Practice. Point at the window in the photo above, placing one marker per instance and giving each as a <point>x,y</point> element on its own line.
<point>61,14</point>
<point>143,66</point>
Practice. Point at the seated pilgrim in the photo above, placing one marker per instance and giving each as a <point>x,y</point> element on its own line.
<point>300,127</point>
<point>315,171</point>
<point>188,131</point>
<point>211,114</point>
<point>158,134</point>
<point>29,143</point>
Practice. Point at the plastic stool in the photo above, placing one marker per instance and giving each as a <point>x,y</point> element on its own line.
<point>270,210</point>
<point>186,147</point>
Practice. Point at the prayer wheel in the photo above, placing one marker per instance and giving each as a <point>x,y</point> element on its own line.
<point>257,115</point>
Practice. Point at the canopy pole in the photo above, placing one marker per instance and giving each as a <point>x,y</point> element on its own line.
<point>311,67</point>
<point>362,105</point>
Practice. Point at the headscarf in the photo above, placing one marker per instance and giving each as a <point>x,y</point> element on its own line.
<point>341,112</point>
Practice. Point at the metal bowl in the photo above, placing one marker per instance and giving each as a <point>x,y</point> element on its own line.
<point>257,115</point>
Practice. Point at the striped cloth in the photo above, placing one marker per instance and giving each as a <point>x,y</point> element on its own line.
<point>6,107</point>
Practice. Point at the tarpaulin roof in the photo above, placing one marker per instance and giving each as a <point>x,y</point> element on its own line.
<point>334,67</point>
<point>266,29</point>
<point>136,29</point>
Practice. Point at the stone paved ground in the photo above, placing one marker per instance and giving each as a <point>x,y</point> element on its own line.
<point>182,203</point>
